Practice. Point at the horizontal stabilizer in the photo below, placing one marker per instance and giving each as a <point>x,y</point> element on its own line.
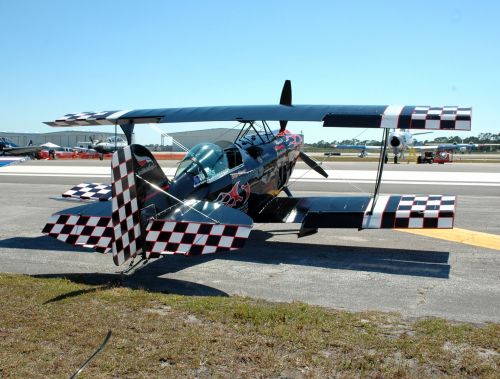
<point>86,226</point>
<point>357,116</point>
<point>89,191</point>
<point>198,227</point>
<point>193,238</point>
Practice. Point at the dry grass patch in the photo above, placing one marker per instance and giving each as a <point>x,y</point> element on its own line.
<point>48,327</point>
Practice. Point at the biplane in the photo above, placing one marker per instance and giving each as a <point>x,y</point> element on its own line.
<point>222,188</point>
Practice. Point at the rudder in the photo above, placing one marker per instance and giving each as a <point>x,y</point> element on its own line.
<point>135,174</point>
<point>128,239</point>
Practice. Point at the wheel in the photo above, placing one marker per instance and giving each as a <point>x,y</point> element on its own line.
<point>386,159</point>
<point>101,157</point>
<point>431,161</point>
<point>419,160</point>
<point>395,159</point>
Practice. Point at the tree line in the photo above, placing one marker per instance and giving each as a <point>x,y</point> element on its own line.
<point>481,138</point>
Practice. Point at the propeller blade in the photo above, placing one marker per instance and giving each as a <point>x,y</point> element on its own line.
<point>311,163</point>
<point>286,190</point>
<point>285,99</point>
<point>286,93</point>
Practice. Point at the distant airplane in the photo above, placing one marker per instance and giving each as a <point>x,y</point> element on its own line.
<point>462,147</point>
<point>399,141</point>
<point>110,145</point>
<point>402,140</point>
<point>7,147</point>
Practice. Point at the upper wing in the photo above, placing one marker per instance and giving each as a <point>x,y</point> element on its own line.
<point>362,116</point>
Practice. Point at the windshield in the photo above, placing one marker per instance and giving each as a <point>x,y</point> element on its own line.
<point>205,160</point>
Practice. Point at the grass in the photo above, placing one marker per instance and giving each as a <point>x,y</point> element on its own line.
<point>48,327</point>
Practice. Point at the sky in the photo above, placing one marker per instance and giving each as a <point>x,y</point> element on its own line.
<point>60,57</point>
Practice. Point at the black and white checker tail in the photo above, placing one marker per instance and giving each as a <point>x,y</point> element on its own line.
<point>148,221</point>
<point>93,232</point>
<point>125,213</point>
<point>194,238</point>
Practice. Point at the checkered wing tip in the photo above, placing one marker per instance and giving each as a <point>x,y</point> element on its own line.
<point>89,191</point>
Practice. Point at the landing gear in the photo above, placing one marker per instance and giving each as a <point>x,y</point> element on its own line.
<point>395,159</point>
<point>101,156</point>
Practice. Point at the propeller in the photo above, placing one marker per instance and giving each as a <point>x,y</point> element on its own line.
<point>286,99</point>
<point>313,164</point>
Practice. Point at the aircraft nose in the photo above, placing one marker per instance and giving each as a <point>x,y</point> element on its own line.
<point>395,142</point>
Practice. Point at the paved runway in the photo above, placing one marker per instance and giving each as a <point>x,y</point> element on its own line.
<point>372,269</point>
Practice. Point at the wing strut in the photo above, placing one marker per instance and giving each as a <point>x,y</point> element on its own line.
<point>128,129</point>
<point>380,170</point>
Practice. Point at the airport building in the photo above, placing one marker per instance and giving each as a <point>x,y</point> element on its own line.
<point>72,138</point>
<point>65,138</point>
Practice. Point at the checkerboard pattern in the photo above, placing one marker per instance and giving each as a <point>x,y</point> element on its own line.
<point>425,212</point>
<point>125,215</point>
<point>193,238</point>
<point>438,118</point>
<point>90,191</point>
<point>89,118</point>
<point>87,231</point>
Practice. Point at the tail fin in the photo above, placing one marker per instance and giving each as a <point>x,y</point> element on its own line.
<point>151,178</point>
<point>134,173</point>
<point>125,213</point>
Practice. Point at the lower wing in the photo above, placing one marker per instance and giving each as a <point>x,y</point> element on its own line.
<point>361,212</point>
<point>22,150</point>
<point>358,147</point>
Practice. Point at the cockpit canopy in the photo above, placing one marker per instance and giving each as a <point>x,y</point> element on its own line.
<point>114,139</point>
<point>204,161</point>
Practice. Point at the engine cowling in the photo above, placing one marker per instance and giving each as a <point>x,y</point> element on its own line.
<point>395,141</point>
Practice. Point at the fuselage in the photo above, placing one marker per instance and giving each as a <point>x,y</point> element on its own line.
<point>7,147</point>
<point>400,140</point>
<point>110,145</point>
<point>243,175</point>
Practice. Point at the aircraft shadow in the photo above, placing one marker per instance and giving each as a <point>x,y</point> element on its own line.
<point>258,249</point>
<point>141,279</point>
<point>434,264</point>
<point>39,243</point>
<point>147,277</point>
<point>407,262</point>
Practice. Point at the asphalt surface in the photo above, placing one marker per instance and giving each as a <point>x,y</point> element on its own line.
<point>347,269</point>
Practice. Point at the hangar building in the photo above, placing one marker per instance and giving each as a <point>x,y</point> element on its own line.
<point>72,138</point>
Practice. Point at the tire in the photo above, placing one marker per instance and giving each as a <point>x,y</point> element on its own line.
<point>395,159</point>
<point>419,160</point>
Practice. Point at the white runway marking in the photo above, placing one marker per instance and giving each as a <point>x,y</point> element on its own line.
<point>491,179</point>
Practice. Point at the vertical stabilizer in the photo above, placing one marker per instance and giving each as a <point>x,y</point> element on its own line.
<point>128,239</point>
